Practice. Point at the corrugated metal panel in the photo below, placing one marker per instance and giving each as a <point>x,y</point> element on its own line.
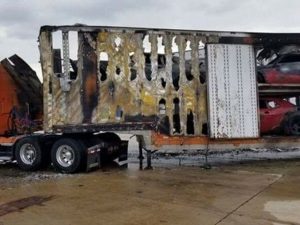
<point>232,91</point>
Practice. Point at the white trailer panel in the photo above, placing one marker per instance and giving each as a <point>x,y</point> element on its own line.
<point>232,91</point>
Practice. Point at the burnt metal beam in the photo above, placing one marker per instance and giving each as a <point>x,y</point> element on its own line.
<point>92,128</point>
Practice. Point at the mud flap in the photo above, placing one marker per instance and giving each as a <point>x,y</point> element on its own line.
<point>123,152</point>
<point>94,154</point>
<point>93,157</point>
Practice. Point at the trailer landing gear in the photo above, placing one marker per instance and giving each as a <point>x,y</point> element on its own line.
<point>148,155</point>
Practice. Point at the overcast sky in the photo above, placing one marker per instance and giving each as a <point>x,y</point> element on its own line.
<point>21,19</point>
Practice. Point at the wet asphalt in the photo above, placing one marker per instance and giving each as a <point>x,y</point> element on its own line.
<point>252,192</point>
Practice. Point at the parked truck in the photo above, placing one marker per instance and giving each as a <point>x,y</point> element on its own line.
<point>174,90</point>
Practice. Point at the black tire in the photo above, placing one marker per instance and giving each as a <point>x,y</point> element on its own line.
<point>28,154</point>
<point>292,125</point>
<point>68,155</point>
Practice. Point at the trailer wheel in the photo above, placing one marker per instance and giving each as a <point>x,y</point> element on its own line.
<point>67,155</point>
<point>28,154</point>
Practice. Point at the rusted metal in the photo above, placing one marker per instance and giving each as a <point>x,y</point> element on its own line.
<point>26,80</point>
<point>21,97</point>
<point>46,58</point>
<point>195,143</point>
<point>126,91</point>
<point>89,85</point>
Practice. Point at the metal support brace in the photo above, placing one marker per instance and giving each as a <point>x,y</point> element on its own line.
<point>298,102</point>
<point>65,78</point>
<point>149,157</point>
<point>141,157</point>
<point>149,153</point>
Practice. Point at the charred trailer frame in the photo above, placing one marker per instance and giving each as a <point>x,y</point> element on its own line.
<point>140,85</point>
<point>149,82</point>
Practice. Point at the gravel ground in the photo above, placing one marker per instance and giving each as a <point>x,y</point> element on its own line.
<point>11,176</point>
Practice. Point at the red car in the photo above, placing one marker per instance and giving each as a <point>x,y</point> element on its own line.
<point>285,69</point>
<point>279,116</point>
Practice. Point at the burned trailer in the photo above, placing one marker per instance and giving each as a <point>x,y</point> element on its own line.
<point>127,81</point>
<point>174,89</point>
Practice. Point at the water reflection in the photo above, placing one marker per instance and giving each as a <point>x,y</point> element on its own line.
<point>286,212</point>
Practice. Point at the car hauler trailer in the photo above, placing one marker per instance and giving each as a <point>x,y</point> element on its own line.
<point>155,84</point>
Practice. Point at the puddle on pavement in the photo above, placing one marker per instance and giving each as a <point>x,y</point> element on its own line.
<point>11,176</point>
<point>216,158</point>
<point>198,188</point>
<point>20,204</point>
<point>286,212</point>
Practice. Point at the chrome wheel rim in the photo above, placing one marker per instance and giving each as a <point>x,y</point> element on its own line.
<point>65,155</point>
<point>28,153</point>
